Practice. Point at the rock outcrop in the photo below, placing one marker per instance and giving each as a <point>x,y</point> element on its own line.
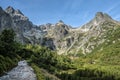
<point>21,72</point>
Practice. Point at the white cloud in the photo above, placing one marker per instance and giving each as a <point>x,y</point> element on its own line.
<point>112,8</point>
<point>72,5</point>
<point>117,17</point>
<point>75,4</point>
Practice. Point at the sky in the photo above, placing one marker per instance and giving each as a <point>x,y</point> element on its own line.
<point>71,12</point>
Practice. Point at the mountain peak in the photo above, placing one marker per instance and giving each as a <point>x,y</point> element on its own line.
<point>60,21</point>
<point>102,16</point>
<point>0,8</point>
<point>18,12</point>
<point>10,9</point>
<point>99,14</point>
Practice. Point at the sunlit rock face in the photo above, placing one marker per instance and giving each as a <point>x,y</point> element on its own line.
<point>21,23</point>
<point>25,31</point>
<point>21,72</point>
<point>59,36</point>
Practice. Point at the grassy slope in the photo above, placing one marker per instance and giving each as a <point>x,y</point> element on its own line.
<point>106,57</point>
<point>102,64</point>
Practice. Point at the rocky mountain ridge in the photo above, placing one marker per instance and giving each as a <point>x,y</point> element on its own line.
<point>60,37</point>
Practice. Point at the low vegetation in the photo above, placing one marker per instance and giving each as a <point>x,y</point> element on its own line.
<point>8,51</point>
<point>102,64</point>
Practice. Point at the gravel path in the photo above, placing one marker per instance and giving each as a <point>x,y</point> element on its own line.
<point>22,72</point>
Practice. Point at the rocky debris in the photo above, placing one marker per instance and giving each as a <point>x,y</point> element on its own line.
<point>22,72</point>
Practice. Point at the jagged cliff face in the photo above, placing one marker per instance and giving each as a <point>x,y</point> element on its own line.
<point>60,37</point>
<point>94,33</point>
<point>5,20</point>
<point>57,33</point>
<point>21,23</point>
<point>11,18</point>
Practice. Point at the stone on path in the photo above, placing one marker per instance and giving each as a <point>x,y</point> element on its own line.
<point>22,72</point>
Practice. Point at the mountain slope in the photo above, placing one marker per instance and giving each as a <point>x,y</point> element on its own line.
<point>11,18</point>
<point>96,33</point>
<point>91,51</point>
<point>81,40</point>
<point>60,37</point>
<point>109,51</point>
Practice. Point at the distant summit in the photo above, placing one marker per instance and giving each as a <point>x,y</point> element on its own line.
<point>60,21</point>
<point>98,19</point>
<point>102,16</point>
<point>18,12</point>
<point>10,9</point>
